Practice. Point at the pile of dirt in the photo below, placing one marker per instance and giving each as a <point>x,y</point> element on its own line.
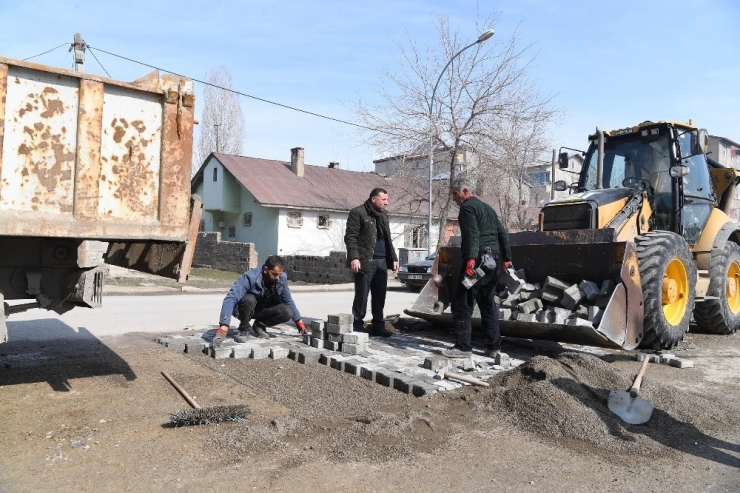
<point>565,398</point>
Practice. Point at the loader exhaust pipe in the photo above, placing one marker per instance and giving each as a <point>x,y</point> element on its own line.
<point>600,160</point>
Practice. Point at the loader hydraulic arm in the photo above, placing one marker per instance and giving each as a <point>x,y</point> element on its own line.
<point>637,212</point>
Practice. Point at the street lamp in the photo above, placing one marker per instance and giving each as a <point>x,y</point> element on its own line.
<point>483,37</point>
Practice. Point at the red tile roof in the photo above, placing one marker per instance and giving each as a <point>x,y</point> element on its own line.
<point>272,183</point>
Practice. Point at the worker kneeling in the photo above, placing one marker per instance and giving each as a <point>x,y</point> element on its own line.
<point>261,294</point>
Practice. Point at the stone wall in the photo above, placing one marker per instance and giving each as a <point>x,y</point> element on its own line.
<point>212,253</point>
<point>318,270</point>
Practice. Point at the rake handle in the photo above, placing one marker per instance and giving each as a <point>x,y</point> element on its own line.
<point>635,389</point>
<point>184,394</point>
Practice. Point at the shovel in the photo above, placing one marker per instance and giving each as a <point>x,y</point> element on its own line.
<point>629,406</point>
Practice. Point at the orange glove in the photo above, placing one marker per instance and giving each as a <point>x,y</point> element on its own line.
<point>301,326</point>
<point>470,268</point>
<point>507,264</point>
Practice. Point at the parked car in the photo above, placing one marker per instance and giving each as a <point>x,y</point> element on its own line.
<point>415,275</point>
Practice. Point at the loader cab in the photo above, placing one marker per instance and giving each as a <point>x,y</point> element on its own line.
<point>644,156</point>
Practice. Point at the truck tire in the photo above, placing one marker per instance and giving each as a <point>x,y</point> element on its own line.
<point>722,315</point>
<point>668,275</point>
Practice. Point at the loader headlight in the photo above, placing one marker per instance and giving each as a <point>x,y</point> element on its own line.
<point>403,268</point>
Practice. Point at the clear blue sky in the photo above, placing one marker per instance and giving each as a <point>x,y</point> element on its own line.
<point>610,64</point>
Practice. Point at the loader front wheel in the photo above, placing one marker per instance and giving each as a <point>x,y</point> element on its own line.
<point>668,276</point>
<point>721,313</point>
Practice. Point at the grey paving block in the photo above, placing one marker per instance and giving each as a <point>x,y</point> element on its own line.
<point>582,312</point>
<point>317,325</point>
<point>590,289</point>
<point>653,358</point>
<point>402,383</point>
<point>571,297</point>
<point>340,318</point>
<point>436,362</point>
<point>531,306</point>
<point>681,363</point>
<point>333,346</point>
<point>502,359</point>
<point>177,345</point>
<point>420,388</point>
<point>334,337</point>
<point>504,314</point>
<point>338,328</point>
<point>579,322</point>
<point>384,376</point>
<point>512,281</point>
<point>318,334</point>
<point>595,314</point>
<point>307,356</point>
<point>222,352</point>
<point>325,359</point>
<point>529,295</point>
<point>666,357</point>
<point>317,343</point>
<point>602,301</point>
<point>607,287</point>
<point>368,372</point>
<point>259,352</point>
<point>242,351</point>
<point>306,338</point>
<point>278,353</point>
<point>554,284</point>
<point>195,346</point>
<point>545,316</point>
<point>354,348</point>
<point>526,317</point>
<point>337,362</point>
<point>356,338</point>
<point>352,366</point>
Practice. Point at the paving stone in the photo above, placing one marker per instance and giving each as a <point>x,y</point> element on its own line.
<point>306,339</point>
<point>402,383</point>
<point>384,376</point>
<point>420,388</point>
<point>526,317</point>
<point>338,328</point>
<point>602,301</point>
<point>545,316</point>
<point>352,366</point>
<point>318,334</point>
<point>590,289</point>
<point>259,352</point>
<point>653,358</point>
<point>530,306</point>
<point>307,355</point>
<point>222,352</point>
<point>278,353</point>
<point>512,281</point>
<point>341,318</point>
<point>317,343</point>
<point>595,314</point>
<point>681,363</point>
<point>529,295</point>
<point>333,346</point>
<point>177,345</point>
<point>504,314</point>
<point>571,297</point>
<point>579,322</point>
<point>356,338</point>
<point>195,346</point>
<point>437,362</point>
<point>334,337</point>
<point>581,311</point>
<point>317,325</point>
<point>368,372</point>
<point>607,287</point>
<point>354,348</point>
<point>666,357</point>
<point>242,351</point>
<point>337,362</point>
<point>502,359</point>
<point>466,364</point>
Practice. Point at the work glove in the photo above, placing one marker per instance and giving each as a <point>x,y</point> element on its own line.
<point>470,268</point>
<point>507,264</point>
<point>301,326</point>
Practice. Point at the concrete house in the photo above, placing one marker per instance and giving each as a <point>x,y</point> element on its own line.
<point>727,153</point>
<point>290,208</point>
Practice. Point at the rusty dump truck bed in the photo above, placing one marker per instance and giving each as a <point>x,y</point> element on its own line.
<point>88,157</point>
<point>84,157</point>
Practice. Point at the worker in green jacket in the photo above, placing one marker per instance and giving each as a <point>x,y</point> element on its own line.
<point>483,236</point>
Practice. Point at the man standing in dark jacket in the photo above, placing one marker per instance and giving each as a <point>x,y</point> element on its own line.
<point>369,254</point>
<point>261,293</point>
<point>481,232</point>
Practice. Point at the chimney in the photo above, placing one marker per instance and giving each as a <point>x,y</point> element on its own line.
<point>334,165</point>
<point>296,161</point>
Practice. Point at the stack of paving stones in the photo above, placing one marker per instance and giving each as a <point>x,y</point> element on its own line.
<point>554,301</point>
<point>409,363</point>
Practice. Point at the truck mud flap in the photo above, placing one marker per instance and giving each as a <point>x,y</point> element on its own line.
<point>163,258</point>
<point>571,256</point>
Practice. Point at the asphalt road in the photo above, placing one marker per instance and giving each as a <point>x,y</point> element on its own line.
<point>163,313</point>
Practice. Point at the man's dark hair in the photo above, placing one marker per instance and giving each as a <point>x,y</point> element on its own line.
<point>274,261</point>
<point>377,191</point>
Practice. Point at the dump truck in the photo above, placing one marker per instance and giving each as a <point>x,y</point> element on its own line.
<point>641,248</point>
<point>84,161</point>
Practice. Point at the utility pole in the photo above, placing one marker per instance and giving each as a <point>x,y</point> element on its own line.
<point>79,53</point>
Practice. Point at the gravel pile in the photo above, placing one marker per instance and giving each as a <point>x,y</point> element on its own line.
<point>566,398</point>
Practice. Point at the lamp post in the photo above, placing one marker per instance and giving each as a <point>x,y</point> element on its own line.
<point>483,37</point>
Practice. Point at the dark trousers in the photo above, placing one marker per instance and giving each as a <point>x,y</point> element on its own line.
<point>374,283</point>
<point>462,304</point>
<point>266,313</point>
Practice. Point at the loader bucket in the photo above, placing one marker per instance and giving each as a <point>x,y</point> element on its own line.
<point>571,256</point>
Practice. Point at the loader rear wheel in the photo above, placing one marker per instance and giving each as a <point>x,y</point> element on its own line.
<point>722,315</point>
<point>668,275</point>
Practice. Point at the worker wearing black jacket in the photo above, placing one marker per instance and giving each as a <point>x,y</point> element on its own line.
<point>482,234</point>
<point>370,252</point>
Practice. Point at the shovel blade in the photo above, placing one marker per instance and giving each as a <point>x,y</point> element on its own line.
<point>634,411</point>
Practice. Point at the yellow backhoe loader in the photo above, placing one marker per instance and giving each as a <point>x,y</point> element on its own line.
<point>646,223</point>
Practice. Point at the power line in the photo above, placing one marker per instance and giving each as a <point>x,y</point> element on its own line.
<point>47,51</point>
<point>244,94</point>
<point>96,58</point>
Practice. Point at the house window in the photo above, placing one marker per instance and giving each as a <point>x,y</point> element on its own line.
<point>324,222</point>
<point>202,225</point>
<point>215,174</point>
<point>295,219</point>
<point>232,232</point>
<point>247,219</point>
<point>415,236</point>
<point>537,178</point>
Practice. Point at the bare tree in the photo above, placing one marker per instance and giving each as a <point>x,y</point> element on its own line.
<point>221,126</point>
<point>487,103</point>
